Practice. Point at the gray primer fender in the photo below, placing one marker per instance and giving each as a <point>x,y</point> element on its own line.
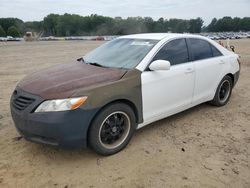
<point>127,88</point>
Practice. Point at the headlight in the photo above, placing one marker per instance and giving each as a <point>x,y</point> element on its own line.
<point>61,104</point>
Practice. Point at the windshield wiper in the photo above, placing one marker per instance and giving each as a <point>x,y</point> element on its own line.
<point>89,63</point>
<point>95,64</point>
<point>81,59</point>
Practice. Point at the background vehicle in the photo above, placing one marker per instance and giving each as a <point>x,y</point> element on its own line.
<point>32,36</point>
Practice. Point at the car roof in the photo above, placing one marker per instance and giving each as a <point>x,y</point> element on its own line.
<point>159,36</point>
<point>168,36</point>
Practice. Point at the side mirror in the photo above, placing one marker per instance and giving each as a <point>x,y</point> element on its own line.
<point>159,65</point>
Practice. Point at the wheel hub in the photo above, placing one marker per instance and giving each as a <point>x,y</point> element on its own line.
<point>115,129</point>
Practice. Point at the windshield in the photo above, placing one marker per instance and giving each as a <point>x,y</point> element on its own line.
<point>120,53</point>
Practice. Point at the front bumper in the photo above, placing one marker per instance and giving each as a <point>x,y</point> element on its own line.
<point>65,129</point>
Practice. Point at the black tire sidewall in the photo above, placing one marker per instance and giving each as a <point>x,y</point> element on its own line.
<point>216,101</point>
<point>93,134</point>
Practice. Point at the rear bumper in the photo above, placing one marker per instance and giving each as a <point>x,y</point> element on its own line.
<point>66,129</point>
<point>236,77</point>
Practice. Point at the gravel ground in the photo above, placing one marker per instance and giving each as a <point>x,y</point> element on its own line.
<point>201,147</point>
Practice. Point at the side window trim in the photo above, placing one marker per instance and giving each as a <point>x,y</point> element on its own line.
<point>190,51</point>
<point>212,51</point>
<point>163,45</point>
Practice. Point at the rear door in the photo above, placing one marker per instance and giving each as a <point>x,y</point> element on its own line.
<point>167,92</point>
<point>208,62</point>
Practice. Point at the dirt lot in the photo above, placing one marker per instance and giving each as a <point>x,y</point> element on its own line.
<point>202,147</point>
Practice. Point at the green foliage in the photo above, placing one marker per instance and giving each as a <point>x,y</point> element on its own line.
<point>245,24</point>
<point>213,25</point>
<point>50,23</point>
<point>33,26</point>
<point>229,24</point>
<point>13,31</point>
<point>6,23</point>
<point>2,32</point>
<point>195,25</point>
<point>75,25</point>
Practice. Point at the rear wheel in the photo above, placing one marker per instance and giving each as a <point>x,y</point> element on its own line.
<point>223,92</point>
<point>112,129</point>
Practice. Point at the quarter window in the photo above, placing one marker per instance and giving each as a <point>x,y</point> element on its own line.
<point>201,49</point>
<point>215,51</point>
<point>175,52</point>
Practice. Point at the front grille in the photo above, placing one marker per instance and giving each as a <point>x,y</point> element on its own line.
<point>22,102</point>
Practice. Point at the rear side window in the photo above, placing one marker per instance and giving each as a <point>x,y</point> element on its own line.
<point>174,51</point>
<point>216,52</point>
<point>201,49</point>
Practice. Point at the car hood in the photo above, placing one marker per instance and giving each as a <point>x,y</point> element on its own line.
<point>62,81</point>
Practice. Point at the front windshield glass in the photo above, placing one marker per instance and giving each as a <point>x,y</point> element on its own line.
<point>120,53</point>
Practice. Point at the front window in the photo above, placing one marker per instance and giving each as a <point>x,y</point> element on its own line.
<point>120,53</point>
<point>175,52</point>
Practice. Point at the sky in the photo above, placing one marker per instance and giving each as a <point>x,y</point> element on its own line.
<point>36,10</point>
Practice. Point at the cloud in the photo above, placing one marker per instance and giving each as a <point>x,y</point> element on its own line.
<point>30,10</point>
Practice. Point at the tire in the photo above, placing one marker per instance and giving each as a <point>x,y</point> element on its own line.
<point>223,92</point>
<point>112,129</point>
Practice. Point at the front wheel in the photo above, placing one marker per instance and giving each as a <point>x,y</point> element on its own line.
<point>112,129</point>
<point>223,92</point>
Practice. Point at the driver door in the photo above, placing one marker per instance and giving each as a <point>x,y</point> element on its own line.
<point>166,92</point>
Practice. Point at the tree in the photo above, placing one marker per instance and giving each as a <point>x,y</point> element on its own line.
<point>36,26</point>
<point>149,24</point>
<point>195,25</point>
<point>212,27</point>
<point>159,25</point>
<point>225,24</point>
<point>2,32</point>
<point>13,31</point>
<point>76,25</point>
<point>178,25</point>
<point>6,23</point>
<point>50,24</point>
<point>245,24</point>
<point>229,24</point>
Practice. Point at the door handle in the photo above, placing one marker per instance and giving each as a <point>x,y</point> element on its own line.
<point>222,62</point>
<point>189,70</point>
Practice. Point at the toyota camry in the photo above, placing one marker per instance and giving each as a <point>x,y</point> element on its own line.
<point>102,98</point>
